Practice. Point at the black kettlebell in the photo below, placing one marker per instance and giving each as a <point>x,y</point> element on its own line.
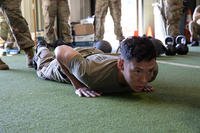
<point>159,46</point>
<point>181,45</point>
<point>170,46</point>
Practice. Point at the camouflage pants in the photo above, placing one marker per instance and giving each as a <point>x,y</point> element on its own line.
<point>11,10</point>
<point>48,67</point>
<point>173,13</point>
<point>100,13</point>
<point>5,32</point>
<point>194,26</point>
<point>52,10</point>
<point>194,29</point>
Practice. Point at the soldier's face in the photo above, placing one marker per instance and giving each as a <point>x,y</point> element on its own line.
<point>138,74</point>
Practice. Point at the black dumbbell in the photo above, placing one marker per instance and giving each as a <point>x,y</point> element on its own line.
<point>170,46</point>
<point>181,45</point>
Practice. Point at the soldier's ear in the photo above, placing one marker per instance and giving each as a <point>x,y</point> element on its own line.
<point>120,64</point>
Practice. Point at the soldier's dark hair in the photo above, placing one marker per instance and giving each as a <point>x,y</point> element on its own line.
<point>138,48</point>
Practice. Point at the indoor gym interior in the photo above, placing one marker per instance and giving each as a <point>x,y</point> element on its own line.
<point>31,105</point>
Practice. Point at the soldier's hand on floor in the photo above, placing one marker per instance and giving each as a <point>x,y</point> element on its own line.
<point>85,92</point>
<point>148,88</point>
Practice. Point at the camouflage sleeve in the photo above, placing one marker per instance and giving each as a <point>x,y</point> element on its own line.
<point>155,73</point>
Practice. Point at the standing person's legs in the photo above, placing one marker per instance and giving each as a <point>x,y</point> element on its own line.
<point>19,27</point>
<point>173,13</point>
<point>63,21</point>
<point>100,13</point>
<point>193,28</point>
<point>4,28</point>
<point>3,35</point>
<point>115,11</point>
<point>5,32</point>
<point>50,12</point>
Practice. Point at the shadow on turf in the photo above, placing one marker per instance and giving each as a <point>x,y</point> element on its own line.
<point>157,97</point>
<point>125,95</point>
<point>190,54</point>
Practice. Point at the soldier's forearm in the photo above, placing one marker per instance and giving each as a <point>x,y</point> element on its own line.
<point>74,81</point>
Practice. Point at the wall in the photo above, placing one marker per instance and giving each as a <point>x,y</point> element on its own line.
<point>80,9</point>
<point>39,15</point>
<point>148,18</point>
<point>75,10</point>
<point>26,7</point>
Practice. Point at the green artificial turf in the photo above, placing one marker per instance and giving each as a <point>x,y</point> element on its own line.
<point>31,105</point>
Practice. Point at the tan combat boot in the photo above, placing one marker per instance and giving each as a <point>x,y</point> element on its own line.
<point>3,66</point>
<point>29,55</point>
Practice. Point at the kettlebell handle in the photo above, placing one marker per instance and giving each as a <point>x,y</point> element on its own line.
<point>169,40</point>
<point>181,39</point>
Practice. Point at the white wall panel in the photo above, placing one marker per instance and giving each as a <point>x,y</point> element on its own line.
<point>26,7</point>
<point>80,9</point>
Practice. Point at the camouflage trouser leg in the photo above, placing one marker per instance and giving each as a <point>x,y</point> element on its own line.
<point>12,13</point>
<point>5,32</point>
<point>173,29</point>
<point>53,9</point>
<point>100,13</point>
<point>115,11</point>
<point>4,28</point>
<point>10,37</point>
<point>194,29</point>
<point>48,67</point>
<point>50,12</point>
<point>173,13</point>
<point>64,29</point>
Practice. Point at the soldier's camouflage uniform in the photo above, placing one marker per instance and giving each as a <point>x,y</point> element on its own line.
<point>194,27</point>
<point>11,10</point>
<point>52,10</point>
<point>173,13</point>
<point>100,13</point>
<point>5,32</point>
